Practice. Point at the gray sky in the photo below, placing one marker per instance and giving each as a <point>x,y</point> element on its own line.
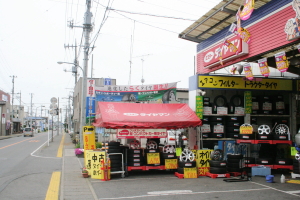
<point>33,34</point>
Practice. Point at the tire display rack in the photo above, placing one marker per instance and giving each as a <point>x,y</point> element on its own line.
<point>290,167</point>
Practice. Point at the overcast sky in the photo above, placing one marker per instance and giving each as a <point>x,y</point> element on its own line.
<point>33,34</point>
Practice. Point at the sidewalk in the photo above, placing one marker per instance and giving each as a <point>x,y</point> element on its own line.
<point>73,185</point>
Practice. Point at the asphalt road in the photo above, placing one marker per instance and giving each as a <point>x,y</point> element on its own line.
<point>26,167</point>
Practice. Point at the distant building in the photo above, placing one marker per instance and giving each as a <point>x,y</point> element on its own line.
<point>5,124</point>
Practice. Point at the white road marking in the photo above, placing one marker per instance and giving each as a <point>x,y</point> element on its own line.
<point>287,192</point>
<point>32,154</point>
<point>292,192</point>
<point>167,194</point>
<point>170,192</point>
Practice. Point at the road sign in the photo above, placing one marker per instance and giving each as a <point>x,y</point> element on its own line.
<point>53,106</point>
<point>53,100</point>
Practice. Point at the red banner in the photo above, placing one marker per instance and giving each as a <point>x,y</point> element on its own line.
<point>141,133</point>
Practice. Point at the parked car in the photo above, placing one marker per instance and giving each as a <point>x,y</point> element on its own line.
<point>28,132</point>
<point>172,137</point>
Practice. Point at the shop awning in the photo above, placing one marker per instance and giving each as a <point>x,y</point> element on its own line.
<point>139,115</point>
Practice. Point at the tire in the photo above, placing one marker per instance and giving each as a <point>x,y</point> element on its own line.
<point>234,169</point>
<point>135,160</point>
<point>134,151</point>
<point>217,163</point>
<point>265,161</point>
<point>220,101</point>
<point>237,101</point>
<point>116,169</point>
<point>110,147</point>
<point>135,164</point>
<point>283,161</point>
<point>234,156</point>
<point>190,164</point>
<point>180,170</point>
<point>168,155</point>
<point>217,135</point>
<point>216,119</point>
<point>249,160</point>
<point>264,137</point>
<point>129,97</point>
<point>235,119</point>
<point>233,160</point>
<point>233,165</point>
<point>233,129</point>
<point>234,124</point>
<point>217,154</point>
<point>217,170</point>
<point>115,165</point>
<point>169,96</point>
<point>232,135</point>
<point>115,157</point>
<point>111,144</point>
<point>137,155</point>
<point>113,150</point>
<point>151,150</point>
<point>280,137</point>
<point>246,136</point>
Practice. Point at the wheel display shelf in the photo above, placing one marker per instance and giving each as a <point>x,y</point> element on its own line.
<point>273,166</point>
<point>179,175</point>
<point>130,168</point>
<point>159,167</point>
<point>227,175</point>
<point>146,168</point>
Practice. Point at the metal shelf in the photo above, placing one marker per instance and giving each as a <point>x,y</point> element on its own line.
<point>269,115</point>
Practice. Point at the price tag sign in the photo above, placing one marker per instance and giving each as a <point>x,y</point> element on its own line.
<point>246,129</point>
<point>218,129</point>
<point>267,106</point>
<point>205,128</point>
<point>248,102</point>
<point>171,163</point>
<point>255,106</point>
<point>190,172</point>
<point>239,111</point>
<point>222,110</point>
<point>207,110</point>
<point>279,105</point>
<point>153,158</point>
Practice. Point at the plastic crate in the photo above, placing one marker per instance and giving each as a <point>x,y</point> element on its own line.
<point>260,171</point>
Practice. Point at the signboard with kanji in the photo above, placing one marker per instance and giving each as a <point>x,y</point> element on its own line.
<point>153,158</point>
<point>199,106</point>
<point>224,82</point>
<point>89,137</point>
<point>88,160</point>
<point>190,172</point>
<point>96,158</point>
<point>171,163</point>
<point>248,102</point>
<point>202,161</point>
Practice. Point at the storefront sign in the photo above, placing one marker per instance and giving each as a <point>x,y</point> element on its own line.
<point>281,61</point>
<point>190,172</point>
<point>153,158</point>
<point>263,66</point>
<point>223,82</point>
<point>141,133</point>
<point>171,163</point>
<point>202,161</point>
<point>199,106</point>
<point>248,102</point>
<point>89,137</point>
<point>211,57</point>
<point>246,129</point>
<point>96,158</point>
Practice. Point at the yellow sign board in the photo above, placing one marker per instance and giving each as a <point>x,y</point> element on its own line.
<point>96,158</point>
<point>87,160</point>
<point>190,172</point>
<point>224,82</point>
<point>171,163</point>
<point>246,129</point>
<point>202,161</point>
<point>89,138</point>
<point>178,151</point>
<point>153,158</point>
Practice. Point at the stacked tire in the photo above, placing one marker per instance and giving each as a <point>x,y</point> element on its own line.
<point>115,152</point>
<point>151,147</point>
<point>206,128</point>
<point>217,127</point>
<point>296,166</point>
<point>217,167</point>
<point>234,162</point>
<point>135,157</point>
<point>185,164</point>
<point>265,161</point>
<point>167,153</point>
<point>233,126</point>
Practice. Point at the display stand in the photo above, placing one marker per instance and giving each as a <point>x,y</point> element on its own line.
<point>227,175</point>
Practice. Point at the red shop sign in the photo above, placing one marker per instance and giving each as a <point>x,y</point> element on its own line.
<point>209,58</point>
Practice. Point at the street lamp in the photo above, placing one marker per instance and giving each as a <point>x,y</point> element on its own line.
<point>83,99</point>
<point>35,114</point>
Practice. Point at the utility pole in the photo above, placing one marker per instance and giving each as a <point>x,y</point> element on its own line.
<point>87,28</point>
<point>12,102</point>
<point>31,111</point>
<point>74,69</point>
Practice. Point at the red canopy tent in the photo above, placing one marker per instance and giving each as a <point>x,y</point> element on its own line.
<point>140,115</point>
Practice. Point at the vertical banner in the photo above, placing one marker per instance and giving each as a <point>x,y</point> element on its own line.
<point>231,46</point>
<point>199,106</point>
<point>202,158</point>
<point>89,137</point>
<point>90,101</point>
<point>88,160</point>
<point>247,10</point>
<point>96,158</point>
<point>281,61</point>
<point>248,71</point>
<point>248,102</point>
<point>263,66</point>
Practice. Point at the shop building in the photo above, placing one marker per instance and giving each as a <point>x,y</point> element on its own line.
<point>5,113</point>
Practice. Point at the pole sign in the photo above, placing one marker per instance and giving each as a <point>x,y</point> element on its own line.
<point>90,99</point>
<point>89,137</point>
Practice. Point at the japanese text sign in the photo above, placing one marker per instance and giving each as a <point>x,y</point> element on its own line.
<point>153,158</point>
<point>281,61</point>
<point>96,158</point>
<point>199,106</point>
<point>202,161</point>
<point>248,102</point>
<point>141,133</point>
<point>263,66</point>
<point>223,82</point>
<point>171,163</point>
<point>247,10</point>
<point>190,172</point>
<point>89,137</point>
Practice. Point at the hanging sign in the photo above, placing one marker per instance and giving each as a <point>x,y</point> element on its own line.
<point>141,133</point>
<point>219,54</point>
<point>231,46</point>
<point>233,29</point>
<point>199,106</point>
<point>247,10</point>
<point>263,66</point>
<point>242,32</point>
<point>248,71</point>
<point>153,158</point>
<point>281,61</point>
<point>171,163</point>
